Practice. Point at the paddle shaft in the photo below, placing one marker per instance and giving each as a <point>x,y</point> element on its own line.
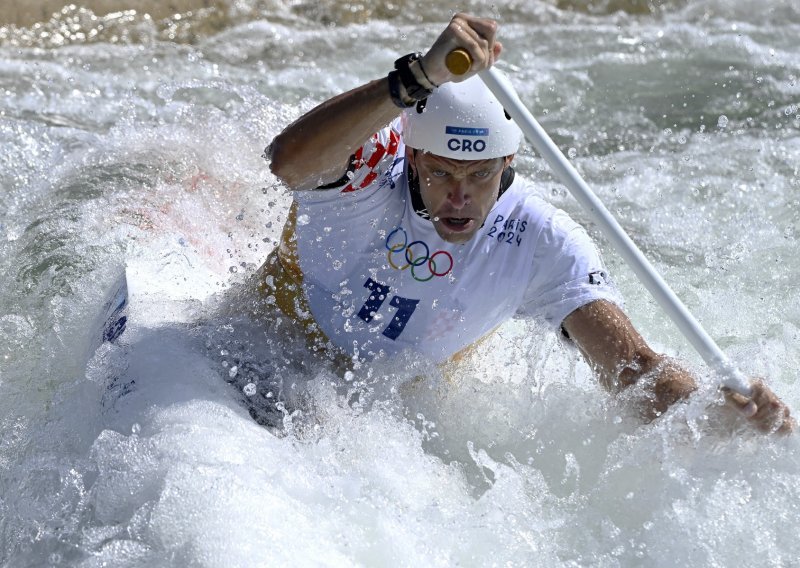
<point>732,377</point>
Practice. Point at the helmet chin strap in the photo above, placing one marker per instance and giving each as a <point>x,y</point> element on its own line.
<point>506,180</point>
<point>416,196</point>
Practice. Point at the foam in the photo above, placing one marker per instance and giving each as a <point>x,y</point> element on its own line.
<point>149,155</point>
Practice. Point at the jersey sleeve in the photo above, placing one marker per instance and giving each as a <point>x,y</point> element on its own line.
<point>372,159</point>
<point>568,272</point>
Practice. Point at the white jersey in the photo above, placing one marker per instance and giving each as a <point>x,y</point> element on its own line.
<point>380,280</point>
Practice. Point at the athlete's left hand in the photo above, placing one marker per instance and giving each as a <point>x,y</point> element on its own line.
<point>763,409</point>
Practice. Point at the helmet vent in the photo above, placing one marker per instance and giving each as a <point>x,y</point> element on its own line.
<point>421,105</point>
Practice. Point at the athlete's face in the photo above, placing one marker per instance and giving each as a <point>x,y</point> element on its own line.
<point>458,194</point>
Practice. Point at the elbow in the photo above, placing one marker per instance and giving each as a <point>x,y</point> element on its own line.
<point>287,164</point>
<point>280,163</point>
<point>300,166</point>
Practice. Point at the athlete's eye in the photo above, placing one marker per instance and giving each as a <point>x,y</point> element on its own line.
<point>482,174</point>
<point>438,173</point>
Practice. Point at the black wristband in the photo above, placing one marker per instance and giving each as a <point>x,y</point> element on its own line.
<point>409,80</point>
<point>428,79</point>
<point>395,89</point>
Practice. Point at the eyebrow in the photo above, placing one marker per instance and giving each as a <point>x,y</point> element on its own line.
<point>469,164</point>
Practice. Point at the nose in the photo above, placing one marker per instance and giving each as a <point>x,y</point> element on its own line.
<point>459,194</point>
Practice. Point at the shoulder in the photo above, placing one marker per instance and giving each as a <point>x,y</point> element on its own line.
<point>380,155</point>
<point>377,163</point>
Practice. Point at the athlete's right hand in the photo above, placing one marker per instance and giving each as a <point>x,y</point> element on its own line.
<point>475,35</point>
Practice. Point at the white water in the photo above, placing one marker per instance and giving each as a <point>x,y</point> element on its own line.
<point>148,154</point>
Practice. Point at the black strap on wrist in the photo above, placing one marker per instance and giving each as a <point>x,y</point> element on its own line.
<point>409,80</point>
<point>395,91</point>
<point>424,74</point>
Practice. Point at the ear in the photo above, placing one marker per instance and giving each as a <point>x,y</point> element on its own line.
<point>507,160</point>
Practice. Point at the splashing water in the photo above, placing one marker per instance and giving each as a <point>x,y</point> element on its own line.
<point>226,443</point>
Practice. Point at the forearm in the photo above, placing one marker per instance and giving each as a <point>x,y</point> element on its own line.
<point>315,149</point>
<point>651,381</point>
<point>666,383</point>
<point>623,361</point>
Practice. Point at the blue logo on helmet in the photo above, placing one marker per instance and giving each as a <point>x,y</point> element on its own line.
<point>466,144</point>
<point>465,131</point>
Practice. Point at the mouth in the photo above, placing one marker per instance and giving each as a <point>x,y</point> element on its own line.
<point>456,224</point>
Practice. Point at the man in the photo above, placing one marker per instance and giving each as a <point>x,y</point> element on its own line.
<point>421,238</point>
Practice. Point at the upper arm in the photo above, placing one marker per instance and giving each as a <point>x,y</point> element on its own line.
<point>293,172</point>
<point>314,149</point>
<point>370,160</point>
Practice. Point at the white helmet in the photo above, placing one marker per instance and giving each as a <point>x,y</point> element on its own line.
<point>462,121</point>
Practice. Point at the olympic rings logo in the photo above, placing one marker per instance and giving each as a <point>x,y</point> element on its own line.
<point>416,255</point>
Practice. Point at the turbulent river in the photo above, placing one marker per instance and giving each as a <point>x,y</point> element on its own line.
<point>130,143</point>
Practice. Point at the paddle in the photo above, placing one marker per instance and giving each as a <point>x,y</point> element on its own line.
<point>458,62</point>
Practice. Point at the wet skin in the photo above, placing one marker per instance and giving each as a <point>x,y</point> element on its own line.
<point>458,194</point>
